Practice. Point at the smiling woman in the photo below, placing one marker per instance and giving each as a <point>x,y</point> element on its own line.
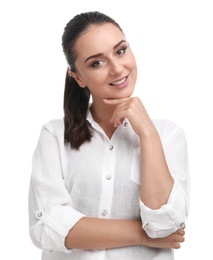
<point>107,176</point>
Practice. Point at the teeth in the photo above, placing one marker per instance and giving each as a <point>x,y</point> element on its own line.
<point>119,82</point>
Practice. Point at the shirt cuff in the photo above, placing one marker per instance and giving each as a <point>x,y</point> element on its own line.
<point>53,227</point>
<point>167,219</point>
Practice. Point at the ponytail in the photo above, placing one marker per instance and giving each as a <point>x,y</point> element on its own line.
<point>76,101</point>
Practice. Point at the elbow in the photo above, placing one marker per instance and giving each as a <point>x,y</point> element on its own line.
<point>35,237</point>
<point>39,238</point>
<point>154,232</point>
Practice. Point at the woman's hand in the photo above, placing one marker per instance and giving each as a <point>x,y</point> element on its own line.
<point>132,109</point>
<point>172,241</point>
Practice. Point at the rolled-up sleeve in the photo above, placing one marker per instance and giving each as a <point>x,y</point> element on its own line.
<point>173,215</point>
<point>51,215</point>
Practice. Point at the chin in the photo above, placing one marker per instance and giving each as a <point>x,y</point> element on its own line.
<point>127,94</point>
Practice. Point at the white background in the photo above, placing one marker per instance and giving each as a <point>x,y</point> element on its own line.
<point>173,45</point>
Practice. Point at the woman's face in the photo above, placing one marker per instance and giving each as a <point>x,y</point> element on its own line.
<point>105,62</point>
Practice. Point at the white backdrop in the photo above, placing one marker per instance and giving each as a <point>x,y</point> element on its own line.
<point>173,45</point>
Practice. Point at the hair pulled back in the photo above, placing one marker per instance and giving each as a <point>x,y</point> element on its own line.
<point>76,99</point>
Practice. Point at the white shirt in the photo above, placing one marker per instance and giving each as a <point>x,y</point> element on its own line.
<point>102,180</point>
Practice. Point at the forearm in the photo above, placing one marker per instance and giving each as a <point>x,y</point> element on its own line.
<point>156,180</point>
<point>94,233</point>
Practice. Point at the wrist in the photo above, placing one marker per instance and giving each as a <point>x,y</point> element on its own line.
<point>141,238</point>
<point>148,133</point>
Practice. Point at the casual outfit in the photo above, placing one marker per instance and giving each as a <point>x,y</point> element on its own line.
<point>102,180</point>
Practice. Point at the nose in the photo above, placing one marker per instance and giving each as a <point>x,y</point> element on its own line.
<point>116,67</point>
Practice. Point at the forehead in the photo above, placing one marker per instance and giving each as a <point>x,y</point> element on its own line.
<point>98,39</point>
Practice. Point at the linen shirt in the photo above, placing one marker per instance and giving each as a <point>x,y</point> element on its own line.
<point>102,180</point>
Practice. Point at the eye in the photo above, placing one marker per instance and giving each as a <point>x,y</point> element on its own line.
<point>121,51</point>
<point>97,64</point>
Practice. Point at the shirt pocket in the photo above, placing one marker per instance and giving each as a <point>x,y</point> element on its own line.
<point>135,174</point>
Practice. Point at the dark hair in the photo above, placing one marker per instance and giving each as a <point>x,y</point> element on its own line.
<point>76,99</point>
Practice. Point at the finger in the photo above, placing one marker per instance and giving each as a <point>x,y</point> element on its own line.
<point>181,232</point>
<point>119,114</point>
<point>179,238</point>
<point>117,119</point>
<point>177,245</point>
<point>115,101</point>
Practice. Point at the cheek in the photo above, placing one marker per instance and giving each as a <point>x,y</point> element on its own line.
<point>131,59</point>
<point>93,82</point>
<point>133,67</point>
<point>97,78</point>
<point>133,62</point>
<point>87,79</point>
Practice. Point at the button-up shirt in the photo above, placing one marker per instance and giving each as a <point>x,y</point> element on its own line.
<point>102,180</point>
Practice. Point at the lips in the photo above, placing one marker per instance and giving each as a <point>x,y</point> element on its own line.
<point>118,82</point>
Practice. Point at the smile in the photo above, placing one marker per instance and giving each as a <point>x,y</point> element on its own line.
<point>119,82</point>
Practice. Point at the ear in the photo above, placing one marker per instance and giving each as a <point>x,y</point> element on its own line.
<point>77,78</point>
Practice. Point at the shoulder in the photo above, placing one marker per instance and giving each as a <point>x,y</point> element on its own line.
<point>167,128</point>
<point>165,124</point>
<point>55,127</point>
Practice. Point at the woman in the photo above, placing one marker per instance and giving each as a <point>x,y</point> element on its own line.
<point>107,181</point>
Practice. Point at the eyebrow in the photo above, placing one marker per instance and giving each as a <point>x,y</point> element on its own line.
<point>100,54</point>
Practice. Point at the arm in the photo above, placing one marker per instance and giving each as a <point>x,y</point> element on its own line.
<point>156,180</point>
<point>56,226</point>
<point>93,233</point>
<point>164,187</point>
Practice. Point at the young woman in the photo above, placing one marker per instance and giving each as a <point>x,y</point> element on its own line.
<point>107,181</point>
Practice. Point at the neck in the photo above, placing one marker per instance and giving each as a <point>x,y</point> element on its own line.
<point>102,113</point>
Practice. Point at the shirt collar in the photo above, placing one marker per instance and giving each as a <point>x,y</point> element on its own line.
<point>89,116</point>
<point>90,119</point>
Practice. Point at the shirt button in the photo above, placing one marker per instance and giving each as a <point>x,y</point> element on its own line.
<point>111,147</point>
<point>182,225</point>
<point>126,124</point>
<point>39,214</point>
<point>108,177</point>
<point>104,212</point>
